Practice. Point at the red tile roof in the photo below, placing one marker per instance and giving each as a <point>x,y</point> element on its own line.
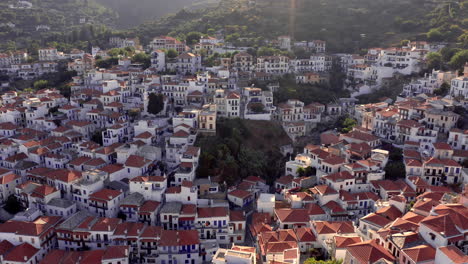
<point>420,253</point>
<point>369,252</point>
<point>104,195</point>
<point>136,161</point>
<point>8,178</point>
<point>116,252</point>
<point>105,224</point>
<point>339,176</point>
<point>443,224</point>
<point>149,206</point>
<point>179,238</point>
<point>377,220</point>
<point>240,194</point>
<point>111,168</point>
<point>344,241</point>
<point>334,227</point>
<point>305,234</point>
<point>292,215</point>
<point>442,146</point>
<point>212,212</point>
<point>323,190</point>
<point>20,253</point>
<point>5,246</point>
<point>454,254</point>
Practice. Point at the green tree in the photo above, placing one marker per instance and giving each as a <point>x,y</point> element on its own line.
<point>12,205</point>
<point>314,261</point>
<point>443,90</point>
<point>348,124</point>
<point>133,114</point>
<point>107,63</point>
<point>257,108</point>
<point>142,58</point>
<point>434,60</point>
<point>434,35</point>
<point>300,172</point>
<point>97,137</point>
<point>41,84</point>
<point>193,38</point>
<point>155,103</point>
<point>459,59</point>
<point>395,170</point>
<point>171,53</point>
<point>404,42</point>
<point>463,39</point>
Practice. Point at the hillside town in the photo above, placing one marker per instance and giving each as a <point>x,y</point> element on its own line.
<point>109,172</point>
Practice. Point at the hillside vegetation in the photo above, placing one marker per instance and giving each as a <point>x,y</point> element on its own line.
<point>346,25</point>
<point>243,148</point>
<point>134,12</point>
<point>68,21</point>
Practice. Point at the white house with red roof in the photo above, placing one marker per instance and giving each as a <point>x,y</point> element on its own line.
<point>330,164</point>
<point>182,246</point>
<point>240,198</point>
<point>306,239</point>
<point>340,181</point>
<point>338,247</point>
<point>358,137</point>
<point>149,212</point>
<point>23,253</point>
<point>279,245</point>
<point>418,254</point>
<point>209,220</point>
<point>90,182</point>
<point>39,233</point>
<point>371,223</point>
<point>151,187</point>
<point>105,203</point>
<point>136,166</point>
<point>324,194</point>
<point>115,172</point>
<point>324,231</point>
<point>237,226</point>
<point>35,195</point>
<point>85,231</point>
<point>85,128</point>
<point>186,193</point>
<point>450,255</point>
<point>458,139</point>
<point>292,218</point>
<point>446,225</point>
<point>64,180</point>
<point>8,183</point>
<point>367,252</point>
<point>112,254</point>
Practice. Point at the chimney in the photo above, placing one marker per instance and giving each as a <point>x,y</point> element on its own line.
<point>126,252</point>
<point>465,70</point>
<point>108,228</point>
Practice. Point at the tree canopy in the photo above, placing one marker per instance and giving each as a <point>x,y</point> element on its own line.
<point>155,103</point>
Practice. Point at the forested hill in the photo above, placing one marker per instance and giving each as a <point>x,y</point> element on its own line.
<point>134,12</point>
<point>346,25</point>
<point>54,20</point>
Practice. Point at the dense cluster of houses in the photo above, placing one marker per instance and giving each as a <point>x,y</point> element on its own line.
<point>136,197</point>
<point>374,69</point>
